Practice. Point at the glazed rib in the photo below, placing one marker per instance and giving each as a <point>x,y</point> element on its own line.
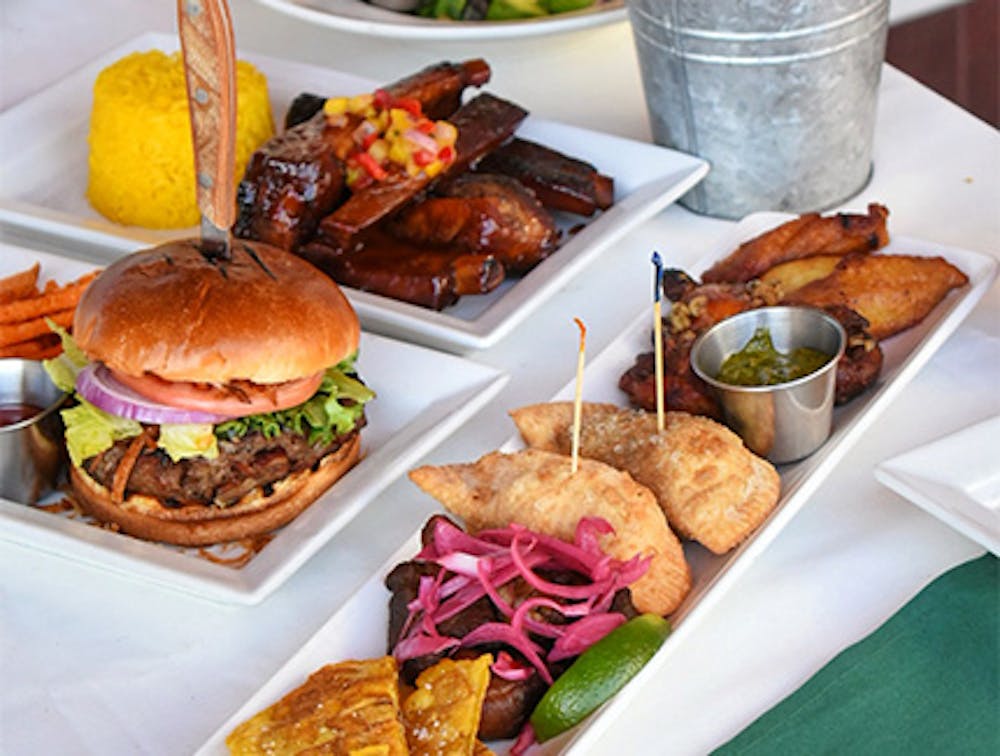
<point>483,124</point>
<point>560,182</point>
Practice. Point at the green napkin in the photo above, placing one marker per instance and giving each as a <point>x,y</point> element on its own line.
<point>925,682</point>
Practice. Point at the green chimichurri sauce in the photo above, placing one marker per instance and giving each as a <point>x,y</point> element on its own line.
<point>760,364</point>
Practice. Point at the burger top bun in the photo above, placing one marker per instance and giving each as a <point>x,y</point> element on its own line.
<point>265,315</point>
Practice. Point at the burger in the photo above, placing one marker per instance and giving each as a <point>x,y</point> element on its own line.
<point>216,395</point>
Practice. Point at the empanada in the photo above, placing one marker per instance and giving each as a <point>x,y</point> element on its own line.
<point>711,487</point>
<point>539,490</point>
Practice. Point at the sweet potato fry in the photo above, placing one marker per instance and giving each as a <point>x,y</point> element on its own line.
<point>52,300</point>
<point>19,285</point>
<point>795,274</point>
<point>892,292</point>
<point>807,235</point>
<point>13,333</point>
<point>39,348</point>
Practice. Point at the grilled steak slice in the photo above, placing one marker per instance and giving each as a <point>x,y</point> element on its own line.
<point>483,124</point>
<point>483,214</point>
<point>297,177</point>
<point>560,182</point>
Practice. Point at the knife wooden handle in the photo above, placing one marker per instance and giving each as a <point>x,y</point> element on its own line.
<point>206,33</point>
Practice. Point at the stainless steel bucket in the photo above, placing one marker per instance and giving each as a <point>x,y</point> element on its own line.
<point>32,455</point>
<point>778,95</point>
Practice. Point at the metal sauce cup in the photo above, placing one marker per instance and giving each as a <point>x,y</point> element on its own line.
<point>32,453</point>
<point>787,421</point>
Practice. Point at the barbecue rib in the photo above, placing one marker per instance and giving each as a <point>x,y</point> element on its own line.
<point>296,177</point>
<point>560,182</point>
<point>482,214</point>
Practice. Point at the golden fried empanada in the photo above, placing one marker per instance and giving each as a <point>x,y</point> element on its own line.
<point>349,707</point>
<point>711,487</point>
<point>891,292</point>
<point>538,489</point>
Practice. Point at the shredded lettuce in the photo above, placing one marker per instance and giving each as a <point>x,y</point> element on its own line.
<point>64,368</point>
<point>320,419</point>
<point>90,430</point>
<point>185,440</point>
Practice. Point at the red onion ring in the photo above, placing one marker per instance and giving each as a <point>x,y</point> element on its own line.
<point>97,385</point>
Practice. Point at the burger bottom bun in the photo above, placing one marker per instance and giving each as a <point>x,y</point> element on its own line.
<point>198,525</point>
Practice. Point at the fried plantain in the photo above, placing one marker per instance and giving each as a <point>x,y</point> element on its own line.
<point>891,292</point>
<point>794,274</point>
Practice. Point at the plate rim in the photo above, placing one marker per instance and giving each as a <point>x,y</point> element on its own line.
<point>898,474</point>
<point>379,24</point>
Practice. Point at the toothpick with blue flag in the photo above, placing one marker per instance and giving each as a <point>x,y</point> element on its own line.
<point>658,338</point>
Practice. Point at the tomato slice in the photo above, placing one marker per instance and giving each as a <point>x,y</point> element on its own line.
<point>235,399</point>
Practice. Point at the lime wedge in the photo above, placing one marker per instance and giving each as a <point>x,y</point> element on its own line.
<point>598,673</point>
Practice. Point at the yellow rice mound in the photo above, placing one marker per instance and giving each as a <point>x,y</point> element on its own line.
<point>141,159</point>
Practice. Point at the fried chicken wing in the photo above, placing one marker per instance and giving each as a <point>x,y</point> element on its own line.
<point>710,486</point>
<point>891,292</point>
<point>539,490</point>
<point>807,235</point>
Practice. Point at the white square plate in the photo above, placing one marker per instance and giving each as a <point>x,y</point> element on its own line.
<point>43,179</point>
<point>403,425</point>
<point>357,629</point>
<point>956,479</point>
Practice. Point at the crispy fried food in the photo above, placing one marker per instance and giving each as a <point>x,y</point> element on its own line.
<point>794,274</point>
<point>442,713</point>
<point>14,333</point>
<point>53,299</point>
<point>809,234</point>
<point>710,486</point>
<point>538,490</point>
<point>42,347</point>
<point>892,292</point>
<point>19,285</point>
<point>349,707</point>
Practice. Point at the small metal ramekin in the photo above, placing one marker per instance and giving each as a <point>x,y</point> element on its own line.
<point>787,421</point>
<point>32,453</point>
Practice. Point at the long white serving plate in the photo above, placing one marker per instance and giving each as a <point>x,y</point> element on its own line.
<point>404,424</point>
<point>357,629</point>
<point>43,180</point>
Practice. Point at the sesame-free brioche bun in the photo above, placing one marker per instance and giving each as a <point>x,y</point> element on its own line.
<point>265,315</point>
<point>197,525</point>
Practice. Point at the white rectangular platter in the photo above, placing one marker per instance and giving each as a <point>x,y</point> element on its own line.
<point>357,629</point>
<point>403,425</point>
<point>43,179</point>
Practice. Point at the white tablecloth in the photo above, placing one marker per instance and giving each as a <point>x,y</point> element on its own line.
<point>96,663</point>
